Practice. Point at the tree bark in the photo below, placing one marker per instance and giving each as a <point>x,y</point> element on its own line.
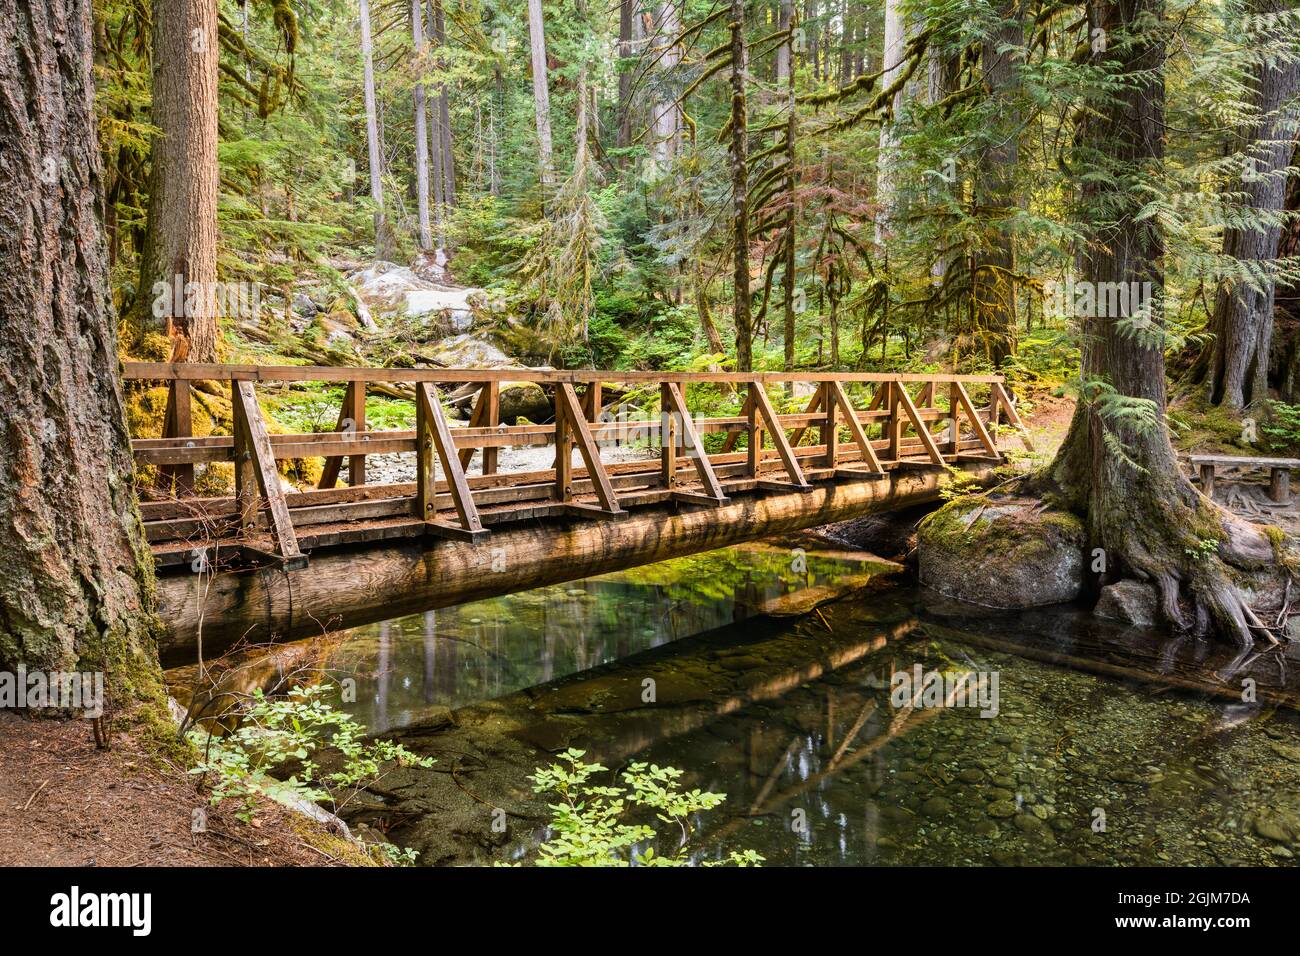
<point>1243,316</point>
<point>626,18</point>
<point>1140,509</point>
<point>740,191</point>
<point>785,75</point>
<point>178,263</point>
<point>541,97</point>
<point>667,119</point>
<point>76,585</point>
<point>444,117</point>
<point>992,286</point>
<point>421,131</point>
<point>892,59</point>
<point>373,146</point>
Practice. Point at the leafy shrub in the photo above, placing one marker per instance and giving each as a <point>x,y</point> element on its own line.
<point>275,732</point>
<point>1283,427</point>
<point>589,825</point>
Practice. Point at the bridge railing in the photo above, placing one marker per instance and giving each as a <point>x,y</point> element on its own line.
<point>853,426</point>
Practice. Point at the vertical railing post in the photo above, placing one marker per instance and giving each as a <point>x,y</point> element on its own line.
<point>755,431</point>
<point>179,423</point>
<point>355,408</point>
<point>667,437</point>
<point>894,424</point>
<point>425,474</point>
<point>563,451</point>
<point>492,420</point>
<point>954,424</point>
<point>246,496</point>
<point>830,429</point>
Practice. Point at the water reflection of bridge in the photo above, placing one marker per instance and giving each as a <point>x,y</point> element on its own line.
<point>862,442</point>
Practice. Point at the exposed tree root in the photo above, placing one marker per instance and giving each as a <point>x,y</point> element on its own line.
<point>1153,525</point>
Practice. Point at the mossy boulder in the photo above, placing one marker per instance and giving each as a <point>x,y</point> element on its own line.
<point>525,400</point>
<point>1002,552</point>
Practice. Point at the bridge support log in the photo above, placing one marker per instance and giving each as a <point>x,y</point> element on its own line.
<point>349,588</point>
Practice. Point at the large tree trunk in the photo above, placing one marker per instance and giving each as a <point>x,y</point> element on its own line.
<point>993,288</point>
<point>373,146</point>
<point>667,119</point>
<point>421,131</point>
<point>892,59</point>
<point>444,116</point>
<point>626,18</point>
<point>1243,316</point>
<point>179,260</point>
<point>785,75</point>
<point>76,583</point>
<point>1123,475</point>
<point>740,191</point>
<point>541,97</point>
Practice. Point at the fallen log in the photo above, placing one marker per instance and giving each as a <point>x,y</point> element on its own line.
<point>348,588</point>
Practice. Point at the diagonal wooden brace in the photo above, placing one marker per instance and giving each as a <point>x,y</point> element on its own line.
<point>841,399</point>
<point>352,417</point>
<point>927,438</point>
<point>699,457</point>
<point>999,397</point>
<point>963,400</point>
<point>773,426</point>
<point>433,434</point>
<point>571,426</point>
<point>255,472</point>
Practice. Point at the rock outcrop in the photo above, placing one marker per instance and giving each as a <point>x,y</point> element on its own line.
<point>1002,552</point>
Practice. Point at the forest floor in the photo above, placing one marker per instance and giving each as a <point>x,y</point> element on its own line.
<point>65,803</point>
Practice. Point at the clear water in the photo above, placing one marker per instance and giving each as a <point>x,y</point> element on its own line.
<point>410,667</point>
<point>793,719</point>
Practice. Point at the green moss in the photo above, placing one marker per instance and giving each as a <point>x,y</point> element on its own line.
<point>1003,538</point>
<point>1209,429</point>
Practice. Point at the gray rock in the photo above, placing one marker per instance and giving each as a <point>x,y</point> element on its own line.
<point>1273,826</point>
<point>936,807</point>
<point>526,400</point>
<point>1131,602</point>
<point>304,305</point>
<point>1002,553</point>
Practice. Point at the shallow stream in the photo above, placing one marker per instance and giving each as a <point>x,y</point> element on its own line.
<point>1089,744</point>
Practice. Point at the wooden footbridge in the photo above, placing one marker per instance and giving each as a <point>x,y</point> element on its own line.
<point>862,442</point>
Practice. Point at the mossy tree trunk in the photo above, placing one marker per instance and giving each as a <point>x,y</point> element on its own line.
<point>1236,366</point>
<point>76,582</point>
<point>993,287</point>
<point>180,244</point>
<point>739,151</point>
<point>1117,464</point>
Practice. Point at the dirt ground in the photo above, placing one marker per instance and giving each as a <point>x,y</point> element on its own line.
<point>64,803</point>
<point>1048,421</point>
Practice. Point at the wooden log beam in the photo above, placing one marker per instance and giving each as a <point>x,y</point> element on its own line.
<point>348,589</point>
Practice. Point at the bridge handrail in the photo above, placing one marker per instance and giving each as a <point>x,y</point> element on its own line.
<point>687,473</point>
<point>186,371</point>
